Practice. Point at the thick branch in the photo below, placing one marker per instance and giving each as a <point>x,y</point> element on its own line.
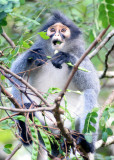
<point>28,110</point>
<point>8,39</point>
<point>108,74</point>
<point>10,97</point>
<point>107,38</point>
<point>101,143</point>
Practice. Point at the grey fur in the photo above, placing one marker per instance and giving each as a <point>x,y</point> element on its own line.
<point>87,82</point>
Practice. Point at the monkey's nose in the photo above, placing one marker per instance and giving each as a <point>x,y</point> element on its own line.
<point>57,35</point>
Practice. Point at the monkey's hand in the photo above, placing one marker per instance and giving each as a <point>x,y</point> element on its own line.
<point>36,56</point>
<point>60,58</point>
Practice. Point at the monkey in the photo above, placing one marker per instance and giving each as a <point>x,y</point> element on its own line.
<point>65,45</point>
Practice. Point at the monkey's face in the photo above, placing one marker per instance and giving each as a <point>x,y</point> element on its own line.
<point>58,34</point>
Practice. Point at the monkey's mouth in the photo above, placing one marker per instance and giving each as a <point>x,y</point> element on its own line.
<point>57,42</point>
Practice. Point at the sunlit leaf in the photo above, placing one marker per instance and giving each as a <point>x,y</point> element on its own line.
<point>43,35</point>
<point>104,136</point>
<point>109,131</point>
<point>8,146</point>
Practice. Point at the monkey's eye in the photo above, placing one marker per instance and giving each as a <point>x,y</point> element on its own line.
<point>63,30</point>
<point>52,30</point>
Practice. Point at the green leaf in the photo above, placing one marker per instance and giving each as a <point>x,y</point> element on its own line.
<point>83,69</point>
<point>109,131</point>
<point>110,1</point>
<point>96,109</point>
<point>20,117</point>
<point>8,146</point>
<point>54,90</point>
<point>91,128</point>
<point>106,12</point>
<point>88,137</point>
<point>7,150</point>
<point>102,123</point>
<point>92,35</point>
<point>112,124</point>
<point>43,135</point>
<point>49,57</point>
<point>2,77</point>
<point>20,42</point>
<point>25,44</point>
<point>35,145</point>
<point>94,114</point>
<point>1,30</point>
<point>15,51</point>
<point>70,64</point>
<point>3,22</point>
<point>93,120</point>
<point>22,2</point>
<point>43,35</point>
<point>104,136</point>
<point>106,114</point>
<point>77,92</point>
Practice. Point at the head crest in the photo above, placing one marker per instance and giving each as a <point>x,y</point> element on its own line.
<point>59,17</point>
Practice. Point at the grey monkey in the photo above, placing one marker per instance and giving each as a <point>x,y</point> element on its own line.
<point>67,42</point>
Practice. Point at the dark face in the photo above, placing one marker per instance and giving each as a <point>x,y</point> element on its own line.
<point>58,34</point>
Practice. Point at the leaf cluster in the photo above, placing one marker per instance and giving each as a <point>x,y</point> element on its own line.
<point>89,124</point>
<point>6,6</point>
<point>106,12</point>
<point>102,123</point>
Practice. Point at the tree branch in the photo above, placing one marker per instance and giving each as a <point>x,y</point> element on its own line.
<point>106,62</point>
<point>15,114</point>
<point>12,44</point>
<point>107,38</point>
<point>59,98</point>
<point>10,97</point>
<point>28,110</point>
<point>24,82</point>
<point>101,143</point>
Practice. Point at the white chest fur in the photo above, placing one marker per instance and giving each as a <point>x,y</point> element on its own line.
<point>50,77</point>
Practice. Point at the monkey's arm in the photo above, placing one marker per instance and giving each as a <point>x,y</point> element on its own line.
<point>28,60</point>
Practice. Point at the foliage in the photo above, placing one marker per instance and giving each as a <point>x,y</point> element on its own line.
<point>21,20</point>
<point>106,11</point>
<point>7,148</point>
<point>88,127</point>
<point>102,124</point>
<point>6,6</point>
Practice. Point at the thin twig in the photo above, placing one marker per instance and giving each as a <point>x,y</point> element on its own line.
<point>15,114</point>
<point>106,62</point>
